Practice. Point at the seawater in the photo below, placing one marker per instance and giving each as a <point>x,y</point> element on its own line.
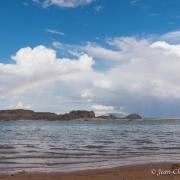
<point>77,145</point>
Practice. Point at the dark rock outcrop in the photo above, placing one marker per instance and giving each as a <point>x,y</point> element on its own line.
<point>133,116</point>
<point>21,114</point>
<point>78,115</point>
<point>107,117</point>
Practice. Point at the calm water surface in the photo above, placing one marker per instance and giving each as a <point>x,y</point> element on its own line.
<point>78,145</point>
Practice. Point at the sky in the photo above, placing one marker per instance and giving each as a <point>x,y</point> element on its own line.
<point>108,56</point>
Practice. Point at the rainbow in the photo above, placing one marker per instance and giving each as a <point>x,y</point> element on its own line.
<point>31,84</point>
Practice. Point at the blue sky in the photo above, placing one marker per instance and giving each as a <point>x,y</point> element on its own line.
<point>24,23</point>
<point>104,49</point>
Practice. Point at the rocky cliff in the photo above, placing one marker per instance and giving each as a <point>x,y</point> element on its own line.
<point>21,114</point>
<point>78,115</point>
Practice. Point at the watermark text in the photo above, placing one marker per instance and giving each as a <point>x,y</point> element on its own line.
<point>162,172</point>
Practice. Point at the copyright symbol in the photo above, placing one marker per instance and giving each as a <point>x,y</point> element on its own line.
<point>153,171</point>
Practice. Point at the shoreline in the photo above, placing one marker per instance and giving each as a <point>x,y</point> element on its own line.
<point>148,171</point>
<point>99,119</point>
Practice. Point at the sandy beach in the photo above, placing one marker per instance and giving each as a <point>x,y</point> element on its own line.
<point>164,171</point>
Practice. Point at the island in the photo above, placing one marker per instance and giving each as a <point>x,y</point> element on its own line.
<point>132,116</point>
<point>23,114</point>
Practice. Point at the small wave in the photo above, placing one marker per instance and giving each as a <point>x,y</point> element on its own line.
<point>30,146</point>
<point>6,146</point>
<point>172,148</point>
<point>56,148</point>
<point>8,152</point>
<point>142,141</point>
<point>94,146</point>
<point>105,142</point>
<point>148,148</point>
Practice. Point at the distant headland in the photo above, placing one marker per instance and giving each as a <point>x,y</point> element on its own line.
<point>22,114</point>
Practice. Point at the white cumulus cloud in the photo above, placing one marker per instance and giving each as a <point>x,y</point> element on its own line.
<point>19,105</point>
<point>65,3</point>
<point>173,36</point>
<point>100,107</point>
<point>144,78</point>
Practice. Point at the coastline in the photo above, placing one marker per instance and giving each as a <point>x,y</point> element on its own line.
<point>84,115</point>
<point>131,172</point>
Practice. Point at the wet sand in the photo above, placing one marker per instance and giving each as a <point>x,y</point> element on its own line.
<point>135,172</point>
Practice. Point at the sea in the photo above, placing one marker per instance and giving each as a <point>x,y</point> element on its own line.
<point>65,146</point>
